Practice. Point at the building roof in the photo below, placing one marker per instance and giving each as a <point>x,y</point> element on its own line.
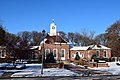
<point>98,47</point>
<point>93,47</point>
<point>2,46</point>
<point>54,39</point>
<point>35,47</point>
<point>80,48</point>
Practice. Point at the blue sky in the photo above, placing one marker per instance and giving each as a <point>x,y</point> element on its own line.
<point>69,15</point>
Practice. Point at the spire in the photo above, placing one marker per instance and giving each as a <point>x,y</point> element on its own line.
<point>52,28</point>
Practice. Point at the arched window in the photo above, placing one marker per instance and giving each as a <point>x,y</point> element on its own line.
<point>72,55</point>
<point>47,51</point>
<point>82,55</point>
<point>98,53</point>
<point>62,54</point>
<point>55,53</point>
<point>105,53</point>
<point>3,53</point>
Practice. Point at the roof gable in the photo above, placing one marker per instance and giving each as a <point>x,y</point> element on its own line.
<point>53,39</point>
<point>98,47</point>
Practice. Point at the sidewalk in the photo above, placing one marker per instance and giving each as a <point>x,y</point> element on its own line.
<point>85,72</point>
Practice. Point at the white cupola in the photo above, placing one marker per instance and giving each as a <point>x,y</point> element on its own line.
<point>53,29</point>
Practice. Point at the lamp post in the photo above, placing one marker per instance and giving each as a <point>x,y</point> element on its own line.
<point>43,33</point>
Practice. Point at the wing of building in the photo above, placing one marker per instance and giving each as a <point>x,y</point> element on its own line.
<point>86,52</point>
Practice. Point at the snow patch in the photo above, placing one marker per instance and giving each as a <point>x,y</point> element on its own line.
<point>34,70</point>
<point>46,72</point>
<point>113,68</point>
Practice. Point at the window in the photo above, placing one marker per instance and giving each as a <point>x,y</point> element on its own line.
<point>72,55</point>
<point>3,53</point>
<point>98,53</point>
<point>62,53</point>
<point>105,53</point>
<point>55,52</point>
<point>82,55</point>
<point>47,51</point>
<point>12,54</point>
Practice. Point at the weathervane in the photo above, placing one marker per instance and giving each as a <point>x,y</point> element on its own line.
<point>53,20</point>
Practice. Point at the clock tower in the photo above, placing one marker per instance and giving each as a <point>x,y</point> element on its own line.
<point>53,29</point>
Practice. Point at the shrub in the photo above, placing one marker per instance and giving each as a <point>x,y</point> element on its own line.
<point>77,57</point>
<point>94,56</point>
<point>50,58</point>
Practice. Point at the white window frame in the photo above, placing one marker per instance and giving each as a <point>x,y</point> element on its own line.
<point>106,54</point>
<point>2,53</point>
<point>88,55</point>
<point>56,53</point>
<point>82,55</point>
<point>46,52</point>
<point>63,58</point>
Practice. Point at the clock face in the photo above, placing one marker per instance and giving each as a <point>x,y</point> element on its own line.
<point>53,27</point>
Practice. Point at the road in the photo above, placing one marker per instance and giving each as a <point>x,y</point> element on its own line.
<point>68,78</point>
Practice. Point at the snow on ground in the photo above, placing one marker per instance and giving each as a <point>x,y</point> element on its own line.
<point>34,70</point>
<point>1,73</point>
<point>46,72</point>
<point>113,68</point>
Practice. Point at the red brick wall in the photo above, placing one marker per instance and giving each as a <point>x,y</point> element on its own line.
<point>74,52</point>
<point>58,47</point>
<point>91,52</point>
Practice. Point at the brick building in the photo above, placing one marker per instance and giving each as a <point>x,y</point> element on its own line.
<point>6,54</point>
<point>3,53</point>
<point>86,52</point>
<point>9,54</point>
<point>54,43</point>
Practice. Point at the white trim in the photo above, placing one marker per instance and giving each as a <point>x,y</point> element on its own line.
<point>79,48</point>
<point>61,43</point>
<point>82,55</point>
<point>63,58</point>
<point>3,53</point>
<point>56,53</point>
<point>89,55</point>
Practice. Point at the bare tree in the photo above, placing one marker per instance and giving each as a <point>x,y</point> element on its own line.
<point>63,35</point>
<point>101,39</point>
<point>2,35</point>
<point>113,38</point>
<point>36,37</point>
<point>71,37</point>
